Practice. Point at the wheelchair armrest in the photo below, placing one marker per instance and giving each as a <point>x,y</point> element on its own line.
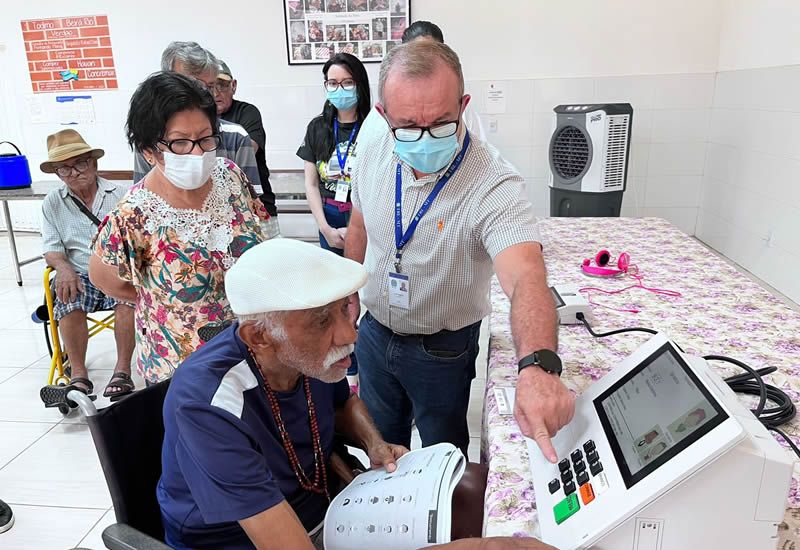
<point>120,536</point>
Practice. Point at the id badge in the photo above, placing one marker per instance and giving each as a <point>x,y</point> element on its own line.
<point>399,290</point>
<point>342,189</point>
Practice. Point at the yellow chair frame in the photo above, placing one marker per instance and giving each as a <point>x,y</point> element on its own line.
<point>59,360</point>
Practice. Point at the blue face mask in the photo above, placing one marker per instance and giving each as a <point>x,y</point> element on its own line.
<point>343,99</point>
<point>428,154</point>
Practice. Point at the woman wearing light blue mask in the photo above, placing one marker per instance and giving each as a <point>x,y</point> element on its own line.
<point>327,150</point>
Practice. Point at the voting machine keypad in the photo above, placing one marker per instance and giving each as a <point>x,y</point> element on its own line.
<point>574,478</point>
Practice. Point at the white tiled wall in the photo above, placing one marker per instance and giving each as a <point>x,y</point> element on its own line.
<point>750,203</point>
<point>670,130</point>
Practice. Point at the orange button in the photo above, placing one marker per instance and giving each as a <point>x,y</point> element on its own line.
<point>587,493</point>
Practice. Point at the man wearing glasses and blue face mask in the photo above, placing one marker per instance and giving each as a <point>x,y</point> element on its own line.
<point>455,216</point>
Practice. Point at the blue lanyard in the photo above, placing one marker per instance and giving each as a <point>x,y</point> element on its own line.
<point>400,238</point>
<point>339,156</point>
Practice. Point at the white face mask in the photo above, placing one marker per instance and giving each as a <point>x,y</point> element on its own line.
<point>189,171</point>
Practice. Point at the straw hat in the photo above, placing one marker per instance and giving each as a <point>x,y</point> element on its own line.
<point>65,145</point>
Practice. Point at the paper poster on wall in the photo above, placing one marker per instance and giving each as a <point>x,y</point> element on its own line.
<point>36,110</point>
<point>75,109</point>
<point>316,30</point>
<point>495,98</point>
<point>69,54</point>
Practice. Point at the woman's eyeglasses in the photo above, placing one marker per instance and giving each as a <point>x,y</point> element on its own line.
<point>186,146</point>
<point>346,84</point>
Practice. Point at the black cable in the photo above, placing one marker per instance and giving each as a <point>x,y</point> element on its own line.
<point>582,319</point>
<point>752,383</point>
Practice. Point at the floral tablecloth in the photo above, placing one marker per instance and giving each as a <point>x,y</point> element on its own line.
<point>721,311</point>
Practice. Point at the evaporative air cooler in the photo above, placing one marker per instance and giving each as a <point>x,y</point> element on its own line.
<point>588,157</point>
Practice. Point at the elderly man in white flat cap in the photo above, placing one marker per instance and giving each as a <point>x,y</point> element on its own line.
<point>249,418</point>
<point>70,216</point>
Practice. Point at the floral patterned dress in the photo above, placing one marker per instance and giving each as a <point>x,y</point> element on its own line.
<point>176,259</point>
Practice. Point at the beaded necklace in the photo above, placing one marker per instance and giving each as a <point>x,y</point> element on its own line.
<point>320,483</point>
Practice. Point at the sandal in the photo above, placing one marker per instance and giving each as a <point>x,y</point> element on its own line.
<point>121,380</point>
<point>87,385</point>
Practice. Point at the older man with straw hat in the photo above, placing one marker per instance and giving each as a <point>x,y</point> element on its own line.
<point>70,216</point>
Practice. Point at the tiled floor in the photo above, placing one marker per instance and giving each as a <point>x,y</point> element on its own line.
<point>49,471</point>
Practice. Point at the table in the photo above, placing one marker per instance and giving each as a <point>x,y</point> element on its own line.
<point>722,311</point>
<point>37,191</point>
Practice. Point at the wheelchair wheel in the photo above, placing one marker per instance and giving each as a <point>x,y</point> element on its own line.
<point>63,409</point>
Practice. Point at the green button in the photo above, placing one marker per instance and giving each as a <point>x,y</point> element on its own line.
<point>566,508</point>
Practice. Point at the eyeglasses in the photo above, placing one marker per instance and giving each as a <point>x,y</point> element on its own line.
<point>414,133</point>
<point>346,84</point>
<point>216,86</point>
<point>79,168</point>
<point>186,146</point>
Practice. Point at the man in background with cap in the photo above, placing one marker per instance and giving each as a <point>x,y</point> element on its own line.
<point>249,418</point>
<point>248,116</point>
<point>70,216</point>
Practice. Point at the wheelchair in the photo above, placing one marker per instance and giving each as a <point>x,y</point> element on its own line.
<point>60,372</point>
<point>128,436</point>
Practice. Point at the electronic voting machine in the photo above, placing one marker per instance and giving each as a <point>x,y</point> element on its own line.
<point>661,455</point>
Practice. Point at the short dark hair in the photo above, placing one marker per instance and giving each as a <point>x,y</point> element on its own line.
<point>157,99</point>
<point>423,28</point>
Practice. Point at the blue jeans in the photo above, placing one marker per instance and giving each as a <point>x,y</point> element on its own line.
<point>426,378</point>
<point>336,220</point>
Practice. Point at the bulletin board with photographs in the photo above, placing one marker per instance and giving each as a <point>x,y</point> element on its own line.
<point>316,30</point>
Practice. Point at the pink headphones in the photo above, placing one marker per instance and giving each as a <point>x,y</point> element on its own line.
<point>624,266</point>
<point>602,259</point>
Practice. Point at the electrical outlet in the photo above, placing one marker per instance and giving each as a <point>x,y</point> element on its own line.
<point>648,534</point>
<point>493,125</point>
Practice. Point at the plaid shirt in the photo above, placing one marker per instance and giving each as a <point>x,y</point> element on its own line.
<point>236,146</point>
<point>478,214</point>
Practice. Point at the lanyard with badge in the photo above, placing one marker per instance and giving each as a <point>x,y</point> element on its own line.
<point>342,186</point>
<point>399,283</point>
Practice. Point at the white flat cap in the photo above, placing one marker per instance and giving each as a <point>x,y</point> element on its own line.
<point>288,275</point>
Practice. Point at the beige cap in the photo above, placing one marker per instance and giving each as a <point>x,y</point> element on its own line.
<point>289,275</point>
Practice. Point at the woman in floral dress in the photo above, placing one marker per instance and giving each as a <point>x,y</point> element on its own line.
<point>167,244</point>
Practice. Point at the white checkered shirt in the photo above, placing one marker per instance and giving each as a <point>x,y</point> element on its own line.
<point>67,230</point>
<point>479,213</point>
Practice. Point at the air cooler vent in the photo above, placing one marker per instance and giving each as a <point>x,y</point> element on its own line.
<point>570,152</point>
<point>617,143</point>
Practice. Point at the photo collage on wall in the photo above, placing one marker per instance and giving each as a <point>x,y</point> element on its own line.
<point>316,30</point>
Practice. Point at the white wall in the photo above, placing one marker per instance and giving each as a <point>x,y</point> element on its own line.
<point>759,33</point>
<point>575,38</point>
<point>750,207</point>
<point>515,39</point>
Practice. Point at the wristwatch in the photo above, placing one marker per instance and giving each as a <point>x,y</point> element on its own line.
<point>545,359</point>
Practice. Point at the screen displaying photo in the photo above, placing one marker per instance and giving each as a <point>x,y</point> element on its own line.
<point>655,412</point>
